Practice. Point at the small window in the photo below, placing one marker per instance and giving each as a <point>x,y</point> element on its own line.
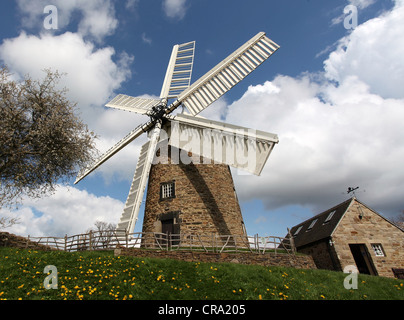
<point>167,190</point>
<point>378,250</point>
<point>329,217</point>
<point>311,225</point>
<point>298,230</point>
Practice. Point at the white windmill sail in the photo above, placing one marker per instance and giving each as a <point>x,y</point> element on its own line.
<point>130,204</point>
<point>239,147</point>
<point>133,104</point>
<point>117,147</point>
<point>134,200</point>
<point>179,70</point>
<point>226,74</point>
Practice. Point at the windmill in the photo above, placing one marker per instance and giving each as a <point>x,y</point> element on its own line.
<point>223,144</point>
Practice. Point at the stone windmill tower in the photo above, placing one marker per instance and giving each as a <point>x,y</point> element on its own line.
<point>186,161</point>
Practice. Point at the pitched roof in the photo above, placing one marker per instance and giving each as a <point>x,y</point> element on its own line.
<point>323,225</point>
<point>320,226</point>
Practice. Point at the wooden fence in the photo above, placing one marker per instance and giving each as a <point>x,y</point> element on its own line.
<point>109,240</point>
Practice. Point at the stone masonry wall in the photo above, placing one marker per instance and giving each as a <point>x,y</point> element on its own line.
<point>270,259</point>
<point>205,200</point>
<point>323,255</point>
<point>12,240</point>
<point>371,229</point>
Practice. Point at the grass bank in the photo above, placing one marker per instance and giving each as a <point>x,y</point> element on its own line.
<point>100,275</point>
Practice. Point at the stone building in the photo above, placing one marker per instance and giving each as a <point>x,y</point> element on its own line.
<point>193,198</point>
<point>351,233</point>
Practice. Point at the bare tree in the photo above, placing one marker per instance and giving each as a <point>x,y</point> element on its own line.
<point>399,220</point>
<point>6,222</point>
<point>103,233</point>
<point>42,141</point>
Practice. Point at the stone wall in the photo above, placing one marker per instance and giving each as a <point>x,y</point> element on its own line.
<point>323,254</point>
<point>12,240</point>
<point>269,259</point>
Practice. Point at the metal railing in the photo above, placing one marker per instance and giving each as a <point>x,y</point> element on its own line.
<point>109,240</point>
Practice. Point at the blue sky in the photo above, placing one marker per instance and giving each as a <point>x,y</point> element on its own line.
<point>333,95</point>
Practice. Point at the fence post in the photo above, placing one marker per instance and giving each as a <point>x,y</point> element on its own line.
<point>90,237</point>
<point>292,242</point>
<point>255,243</point>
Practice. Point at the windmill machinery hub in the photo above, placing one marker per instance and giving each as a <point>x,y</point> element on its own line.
<point>158,112</point>
<point>224,139</point>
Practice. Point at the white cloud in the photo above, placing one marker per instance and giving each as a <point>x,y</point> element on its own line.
<point>132,4</point>
<point>361,4</point>
<point>96,17</point>
<point>146,39</point>
<point>68,211</point>
<point>358,4</point>
<point>260,219</point>
<point>175,9</point>
<point>352,138</point>
<point>374,53</point>
<point>92,74</point>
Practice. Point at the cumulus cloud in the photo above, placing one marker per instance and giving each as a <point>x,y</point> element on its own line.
<point>330,137</point>
<point>175,9</point>
<point>92,74</point>
<point>68,211</point>
<point>373,52</point>
<point>97,16</point>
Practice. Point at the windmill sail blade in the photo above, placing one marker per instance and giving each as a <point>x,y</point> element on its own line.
<point>118,146</point>
<point>133,104</point>
<point>226,74</point>
<point>219,142</point>
<point>179,70</point>
<point>131,210</point>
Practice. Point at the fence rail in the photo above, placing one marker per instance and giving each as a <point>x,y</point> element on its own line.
<point>109,240</point>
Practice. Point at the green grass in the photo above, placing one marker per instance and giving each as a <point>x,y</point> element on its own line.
<point>100,275</point>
